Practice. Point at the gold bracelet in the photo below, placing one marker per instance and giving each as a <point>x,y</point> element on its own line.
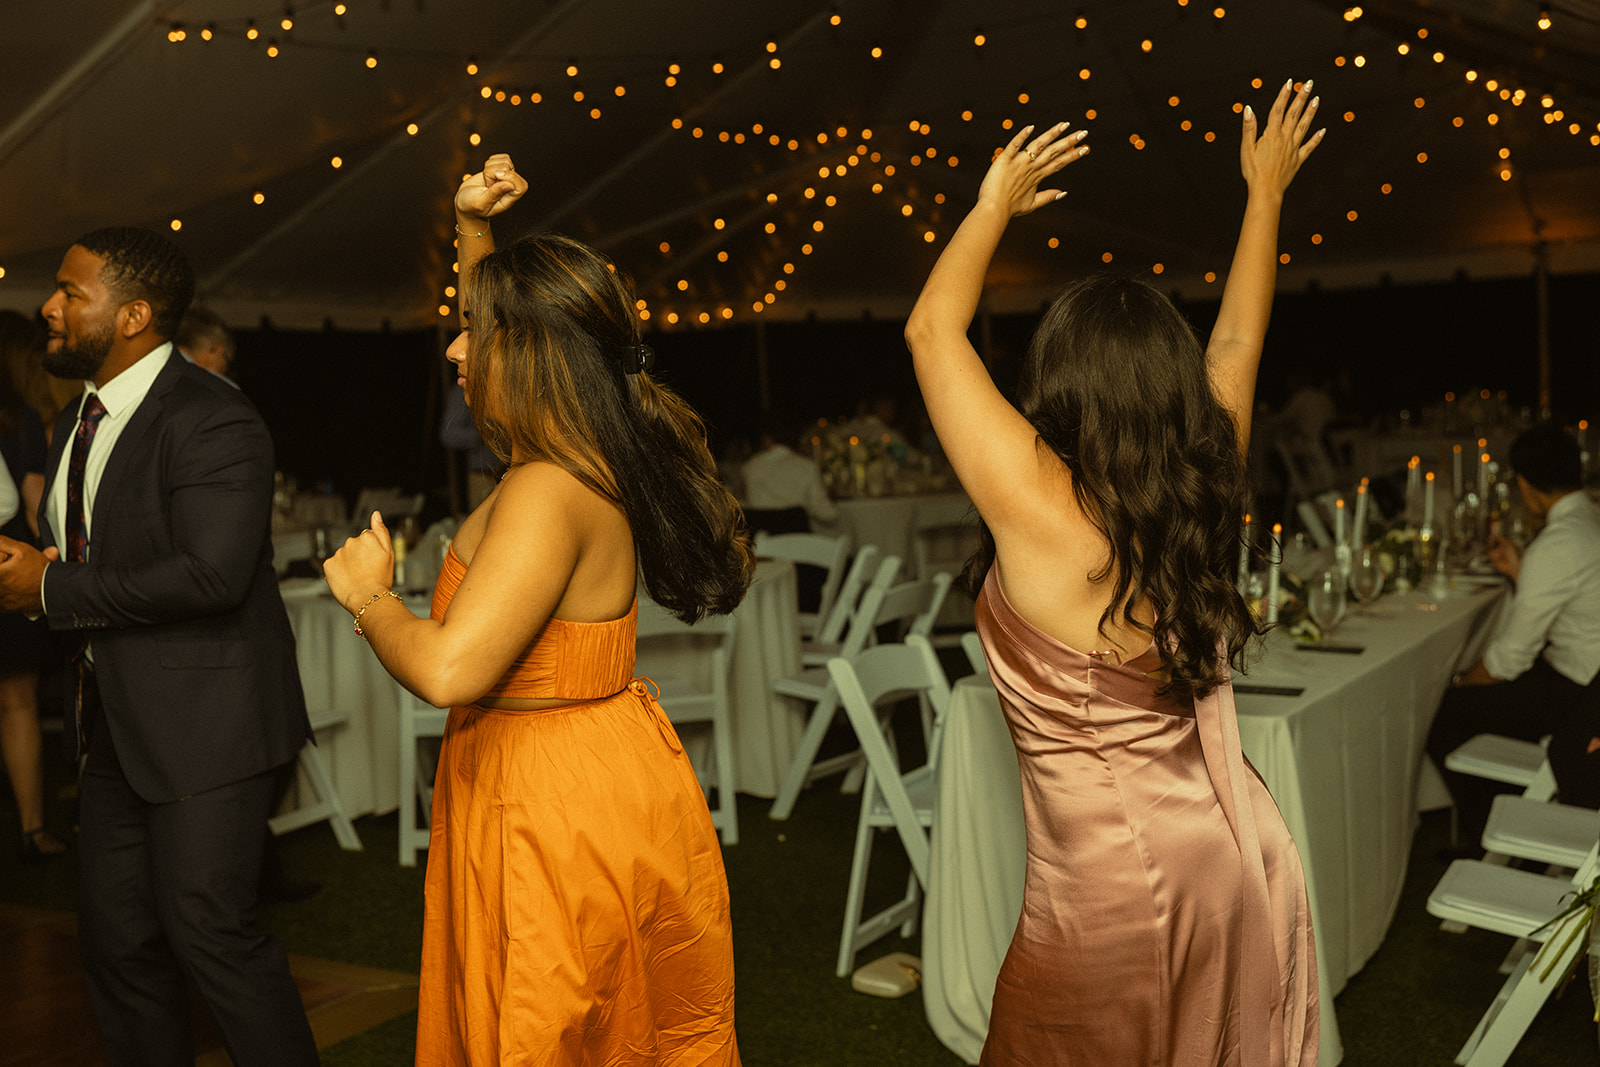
<point>462,233</point>
<point>375,598</point>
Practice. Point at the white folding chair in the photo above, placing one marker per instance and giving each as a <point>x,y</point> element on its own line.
<point>1505,759</point>
<point>813,686</point>
<point>890,797</point>
<point>328,805</point>
<point>915,603</point>
<point>972,645</point>
<point>417,720</point>
<point>944,534</point>
<point>817,550</point>
<point>696,691</point>
<point>1517,903</point>
<point>1556,834</point>
<point>1501,759</point>
<point>817,651</point>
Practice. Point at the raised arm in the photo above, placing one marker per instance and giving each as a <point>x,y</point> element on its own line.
<point>481,197</point>
<point>1269,163</point>
<point>990,444</point>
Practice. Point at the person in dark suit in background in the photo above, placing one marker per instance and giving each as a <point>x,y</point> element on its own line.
<point>158,558</point>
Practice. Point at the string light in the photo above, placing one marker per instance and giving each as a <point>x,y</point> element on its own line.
<point>913,205</point>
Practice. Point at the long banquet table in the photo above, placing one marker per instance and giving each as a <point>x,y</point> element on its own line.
<point>338,670</point>
<point>1341,759</point>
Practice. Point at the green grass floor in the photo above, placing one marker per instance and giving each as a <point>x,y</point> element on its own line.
<point>1413,1004</point>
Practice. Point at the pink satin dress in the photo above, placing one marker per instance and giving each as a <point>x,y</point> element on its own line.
<point>1164,915</point>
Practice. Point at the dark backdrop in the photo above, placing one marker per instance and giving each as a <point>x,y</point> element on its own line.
<point>360,409</point>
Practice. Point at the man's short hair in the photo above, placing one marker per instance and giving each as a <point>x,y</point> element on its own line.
<point>1548,459</point>
<point>143,265</point>
<point>200,329</point>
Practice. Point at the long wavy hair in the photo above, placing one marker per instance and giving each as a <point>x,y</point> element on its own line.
<point>555,351</point>
<point>1115,383</point>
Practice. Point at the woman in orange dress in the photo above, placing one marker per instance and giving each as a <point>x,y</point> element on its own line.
<point>1164,914</point>
<point>576,908</point>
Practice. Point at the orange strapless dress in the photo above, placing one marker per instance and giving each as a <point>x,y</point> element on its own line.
<point>1164,916</point>
<point>577,908</point>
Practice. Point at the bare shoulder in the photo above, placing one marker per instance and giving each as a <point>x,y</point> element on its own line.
<point>533,489</point>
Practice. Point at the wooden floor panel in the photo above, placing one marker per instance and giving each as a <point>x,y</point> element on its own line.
<point>47,1020</point>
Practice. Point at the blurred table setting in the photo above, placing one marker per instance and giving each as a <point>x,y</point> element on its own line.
<point>1336,729</point>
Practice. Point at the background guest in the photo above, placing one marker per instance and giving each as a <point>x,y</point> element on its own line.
<point>22,339</point>
<point>25,644</point>
<point>783,489</point>
<point>1540,666</point>
<point>205,341</point>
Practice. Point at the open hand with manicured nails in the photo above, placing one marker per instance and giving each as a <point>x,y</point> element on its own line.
<point>1014,176</point>
<point>1269,162</point>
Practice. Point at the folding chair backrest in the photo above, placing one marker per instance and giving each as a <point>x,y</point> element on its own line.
<point>816,550</point>
<point>656,621</point>
<point>864,622</point>
<point>972,645</point>
<point>879,675</point>
<point>844,603</point>
<point>696,691</point>
<point>915,603</point>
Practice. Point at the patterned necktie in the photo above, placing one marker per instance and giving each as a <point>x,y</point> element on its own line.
<point>77,528</point>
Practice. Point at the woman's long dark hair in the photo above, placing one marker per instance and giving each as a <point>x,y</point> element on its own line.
<point>553,330</point>
<point>1115,382</point>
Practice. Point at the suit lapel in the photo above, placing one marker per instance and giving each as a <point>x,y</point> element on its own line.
<point>119,471</point>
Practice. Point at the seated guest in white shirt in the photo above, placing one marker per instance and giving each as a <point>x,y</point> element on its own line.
<point>778,479</point>
<point>1539,668</point>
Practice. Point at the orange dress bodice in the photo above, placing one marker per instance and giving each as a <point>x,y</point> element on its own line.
<point>573,661</point>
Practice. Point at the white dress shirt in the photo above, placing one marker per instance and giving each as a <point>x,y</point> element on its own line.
<point>1556,608</point>
<point>782,478</point>
<point>121,396</point>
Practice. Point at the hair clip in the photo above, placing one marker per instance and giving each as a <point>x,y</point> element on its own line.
<point>636,358</point>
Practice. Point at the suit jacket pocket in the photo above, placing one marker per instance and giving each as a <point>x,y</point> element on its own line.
<point>203,652</point>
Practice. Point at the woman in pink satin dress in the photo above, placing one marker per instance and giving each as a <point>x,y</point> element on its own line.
<point>1164,917</point>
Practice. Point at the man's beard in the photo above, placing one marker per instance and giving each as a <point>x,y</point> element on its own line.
<point>83,360</point>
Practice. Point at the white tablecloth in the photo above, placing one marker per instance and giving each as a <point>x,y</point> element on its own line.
<point>890,522</point>
<point>1341,760</point>
<point>338,670</point>
<point>766,727</point>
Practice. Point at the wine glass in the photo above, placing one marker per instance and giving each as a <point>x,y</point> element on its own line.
<point>319,550</point>
<point>1366,578</point>
<point>1325,600</point>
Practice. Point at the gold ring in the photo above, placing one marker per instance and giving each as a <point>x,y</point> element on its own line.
<point>1033,156</point>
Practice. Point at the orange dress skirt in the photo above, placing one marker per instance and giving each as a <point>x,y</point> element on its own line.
<point>577,907</point>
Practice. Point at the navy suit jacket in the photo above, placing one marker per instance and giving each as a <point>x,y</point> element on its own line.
<point>193,654</point>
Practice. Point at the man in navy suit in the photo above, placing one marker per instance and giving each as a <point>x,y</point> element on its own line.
<point>158,558</point>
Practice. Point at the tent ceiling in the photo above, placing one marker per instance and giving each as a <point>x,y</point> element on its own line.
<point>104,120</point>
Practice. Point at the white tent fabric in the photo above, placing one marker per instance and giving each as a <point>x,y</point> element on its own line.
<point>720,151</point>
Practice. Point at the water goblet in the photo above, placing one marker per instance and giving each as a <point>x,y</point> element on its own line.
<point>1325,600</point>
<point>1366,578</point>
